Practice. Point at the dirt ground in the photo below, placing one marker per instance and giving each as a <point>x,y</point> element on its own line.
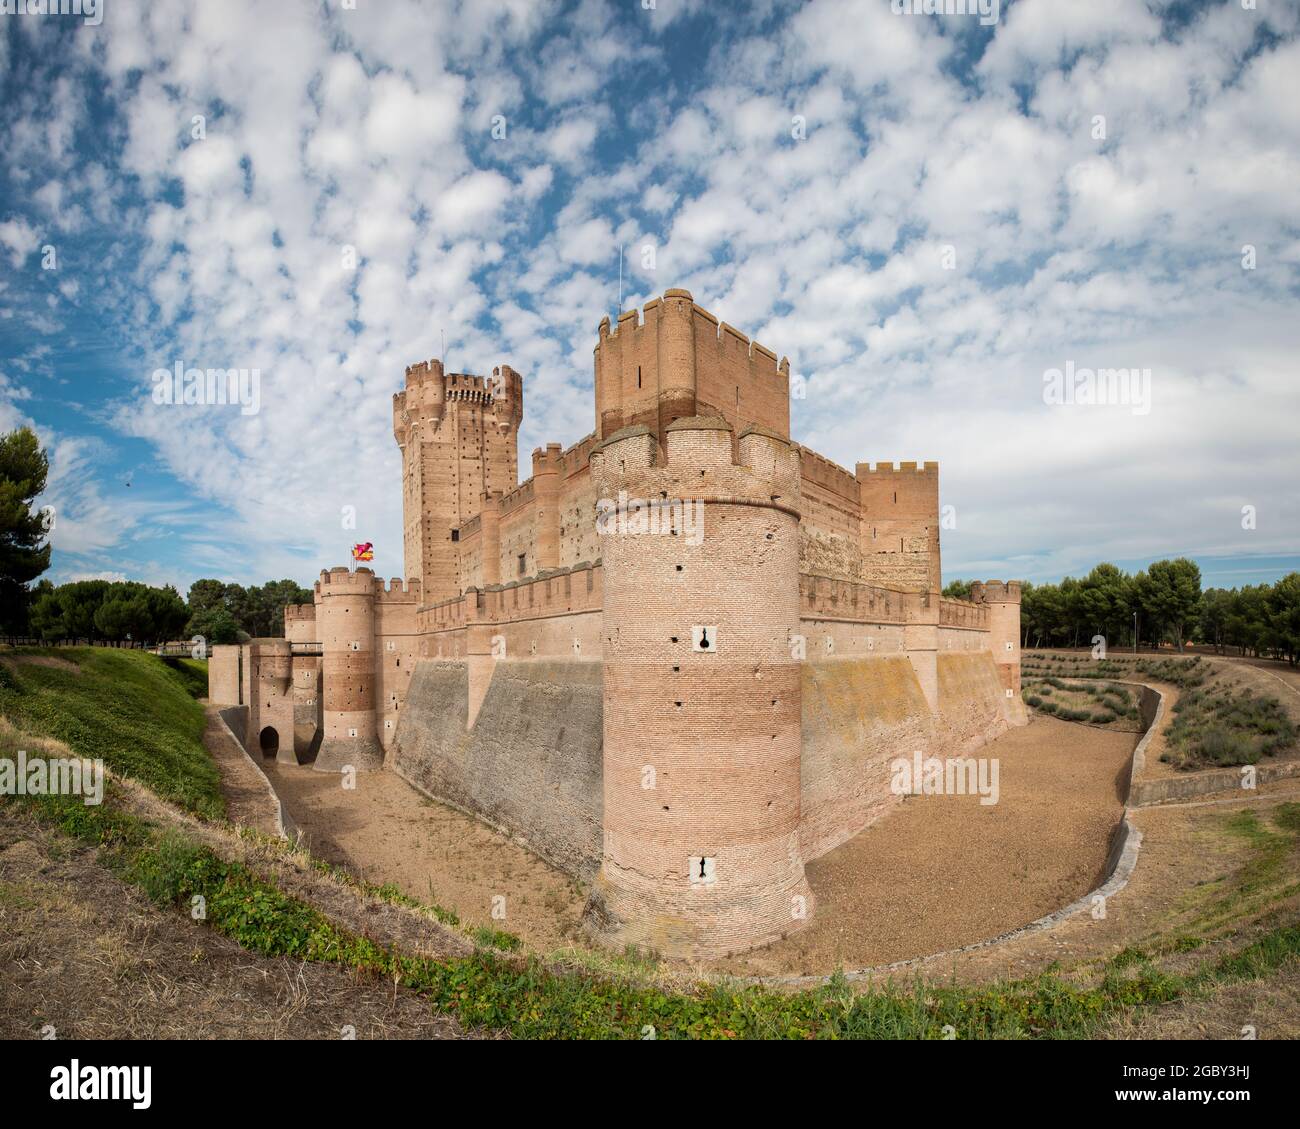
<point>92,958</point>
<point>386,831</point>
<point>940,872</point>
<point>969,871</point>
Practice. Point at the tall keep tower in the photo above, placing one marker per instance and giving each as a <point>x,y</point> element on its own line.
<point>459,440</point>
<point>701,691</point>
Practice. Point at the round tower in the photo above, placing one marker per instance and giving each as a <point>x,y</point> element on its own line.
<point>1003,602</point>
<point>701,690</point>
<point>345,627</point>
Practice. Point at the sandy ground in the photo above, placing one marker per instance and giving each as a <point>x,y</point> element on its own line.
<point>386,831</point>
<point>89,957</point>
<point>969,871</point>
<point>940,872</point>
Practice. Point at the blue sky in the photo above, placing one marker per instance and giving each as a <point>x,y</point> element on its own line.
<point>924,213</point>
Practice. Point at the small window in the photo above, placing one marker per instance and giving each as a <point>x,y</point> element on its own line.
<point>523,564</point>
<point>455,534</point>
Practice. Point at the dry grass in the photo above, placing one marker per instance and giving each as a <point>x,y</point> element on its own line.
<point>91,957</point>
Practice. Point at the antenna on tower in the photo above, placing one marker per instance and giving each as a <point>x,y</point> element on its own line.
<point>620,278</point>
<point>443,332</point>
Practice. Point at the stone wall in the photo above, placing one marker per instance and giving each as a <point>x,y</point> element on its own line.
<point>858,715</point>
<point>973,707</point>
<point>530,765</point>
<point>223,676</point>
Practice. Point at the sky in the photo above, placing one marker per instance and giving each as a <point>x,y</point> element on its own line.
<point>930,215</point>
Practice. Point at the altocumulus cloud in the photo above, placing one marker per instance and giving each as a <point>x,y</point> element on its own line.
<point>926,214</point>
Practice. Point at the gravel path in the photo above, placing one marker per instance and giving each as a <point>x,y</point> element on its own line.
<point>249,802</point>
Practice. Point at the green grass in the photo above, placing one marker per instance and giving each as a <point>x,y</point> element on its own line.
<point>524,997</point>
<point>129,708</point>
<point>193,673</point>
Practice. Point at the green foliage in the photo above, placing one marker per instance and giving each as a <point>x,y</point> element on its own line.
<point>496,939</point>
<point>124,707</point>
<point>957,589</point>
<point>221,612</point>
<point>96,610</point>
<point>215,625</point>
<point>1227,728</point>
<point>1169,606</point>
<point>24,468</point>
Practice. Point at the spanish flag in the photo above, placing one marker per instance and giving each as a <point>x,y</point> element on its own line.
<point>363,552</point>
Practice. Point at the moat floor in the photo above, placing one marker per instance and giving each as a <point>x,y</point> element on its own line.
<point>937,873</point>
<point>386,831</point>
<point>940,872</point>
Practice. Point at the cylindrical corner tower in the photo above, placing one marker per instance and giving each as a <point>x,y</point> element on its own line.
<point>701,691</point>
<point>345,626</point>
<point>1003,603</point>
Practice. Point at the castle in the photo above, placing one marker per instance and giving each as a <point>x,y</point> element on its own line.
<point>676,661</point>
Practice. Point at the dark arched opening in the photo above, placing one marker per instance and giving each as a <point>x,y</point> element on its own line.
<point>269,740</point>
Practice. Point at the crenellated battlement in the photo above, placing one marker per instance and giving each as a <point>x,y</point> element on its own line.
<point>897,469</point>
<point>423,370</point>
<point>675,360</point>
<point>398,591</point>
<point>995,592</point>
<point>342,581</point>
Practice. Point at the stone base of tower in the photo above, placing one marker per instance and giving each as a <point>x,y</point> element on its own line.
<point>361,753</point>
<point>704,921</point>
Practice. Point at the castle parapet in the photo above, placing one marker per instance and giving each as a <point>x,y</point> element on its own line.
<point>300,623</point>
<point>823,598</point>
<point>963,613</point>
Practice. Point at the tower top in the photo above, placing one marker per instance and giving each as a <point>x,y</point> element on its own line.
<point>673,359</point>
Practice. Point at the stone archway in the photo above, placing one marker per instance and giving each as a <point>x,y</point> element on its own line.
<point>269,741</point>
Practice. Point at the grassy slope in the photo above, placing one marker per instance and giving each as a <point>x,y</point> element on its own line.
<point>129,708</point>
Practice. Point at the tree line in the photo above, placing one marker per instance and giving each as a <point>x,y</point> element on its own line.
<point>116,612</point>
<point>104,611</point>
<point>1164,603</point>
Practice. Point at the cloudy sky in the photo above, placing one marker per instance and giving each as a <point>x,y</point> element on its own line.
<point>925,213</point>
